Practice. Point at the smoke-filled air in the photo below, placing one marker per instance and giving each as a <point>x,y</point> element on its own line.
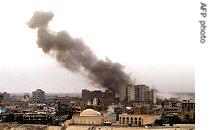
<point>74,55</point>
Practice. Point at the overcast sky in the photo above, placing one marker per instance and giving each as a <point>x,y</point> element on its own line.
<point>154,40</point>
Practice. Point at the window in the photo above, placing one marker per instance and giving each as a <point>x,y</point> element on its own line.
<point>127,120</point>
<point>131,120</point>
<point>135,120</point>
<point>123,120</point>
<point>139,121</point>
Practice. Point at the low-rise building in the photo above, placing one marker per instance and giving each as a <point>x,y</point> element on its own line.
<point>137,120</point>
<point>92,117</point>
<point>172,110</point>
<point>87,117</point>
<point>188,104</point>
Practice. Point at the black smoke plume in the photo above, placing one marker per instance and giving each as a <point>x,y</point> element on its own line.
<point>74,55</point>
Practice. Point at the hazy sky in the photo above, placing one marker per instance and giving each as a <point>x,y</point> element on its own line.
<point>154,40</point>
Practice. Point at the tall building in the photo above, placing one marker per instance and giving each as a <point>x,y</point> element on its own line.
<point>38,96</point>
<point>126,92</point>
<point>4,96</point>
<point>141,92</point>
<point>138,93</point>
<point>153,95</point>
<point>106,97</point>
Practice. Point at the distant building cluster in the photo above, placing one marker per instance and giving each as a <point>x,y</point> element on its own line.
<point>184,109</point>
<point>134,105</point>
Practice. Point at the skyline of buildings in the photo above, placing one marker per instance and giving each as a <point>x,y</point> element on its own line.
<point>98,108</point>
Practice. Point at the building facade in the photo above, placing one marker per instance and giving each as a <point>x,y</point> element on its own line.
<point>137,120</point>
<point>188,104</point>
<point>176,110</point>
<point>87,117</point>
<point>105,98</point>
<point>38,96</point>
<point>4,96</point>
<point>137,93</point>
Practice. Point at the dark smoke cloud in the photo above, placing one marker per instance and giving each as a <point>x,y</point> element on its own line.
<point>74,55</point>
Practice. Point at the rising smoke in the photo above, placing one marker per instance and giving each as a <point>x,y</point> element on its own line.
<point>74,55</point>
